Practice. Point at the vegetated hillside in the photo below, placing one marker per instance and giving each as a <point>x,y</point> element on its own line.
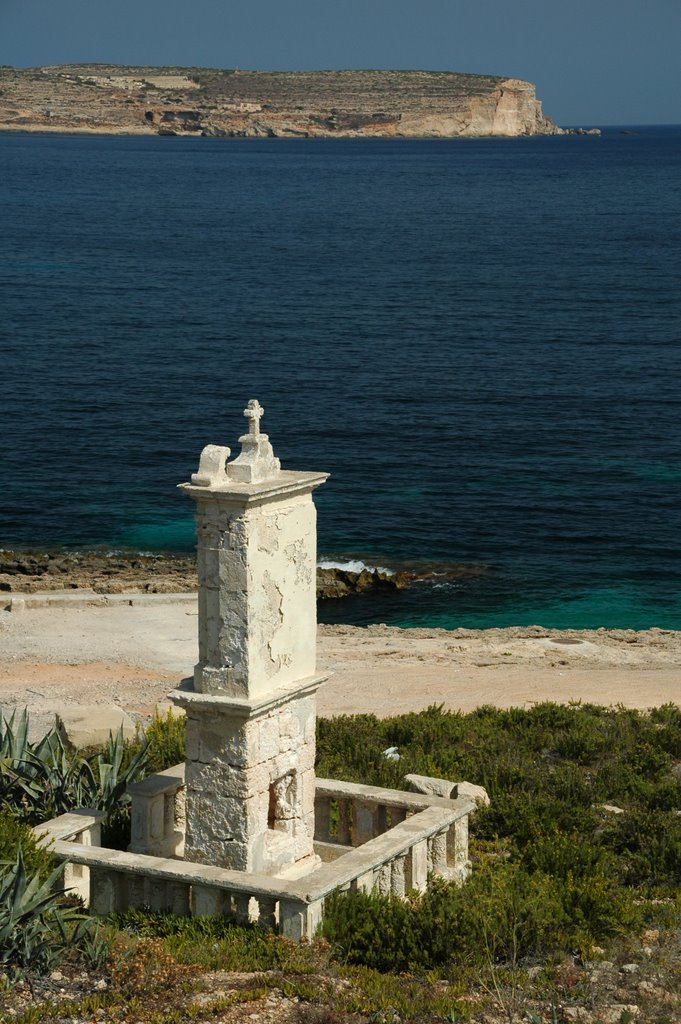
<point>572,912</point>
<point>199,101</point>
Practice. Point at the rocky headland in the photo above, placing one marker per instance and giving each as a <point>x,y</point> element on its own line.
<point>94,98</point>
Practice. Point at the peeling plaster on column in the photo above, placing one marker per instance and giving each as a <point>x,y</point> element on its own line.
<point>298,556</point>
<point>268,533</point>
<point>272,620</point>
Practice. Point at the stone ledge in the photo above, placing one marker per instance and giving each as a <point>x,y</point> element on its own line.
<point>287,483</point>
<point>310,889</point>
<point>249,883</point>
<point>168,781</point>
<point>334,790</point>
<point>17,601</point>
<point>68,825</point>
<point>241,706</point>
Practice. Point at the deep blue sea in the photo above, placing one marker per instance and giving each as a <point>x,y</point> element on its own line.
<point>479,339</point>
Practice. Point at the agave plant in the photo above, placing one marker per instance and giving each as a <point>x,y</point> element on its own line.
<point>41,780</point>
<point>35,925</point>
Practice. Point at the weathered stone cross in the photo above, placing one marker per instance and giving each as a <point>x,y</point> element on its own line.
<point>254,413</point>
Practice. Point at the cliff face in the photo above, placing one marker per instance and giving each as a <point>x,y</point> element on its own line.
<point>199,101</point>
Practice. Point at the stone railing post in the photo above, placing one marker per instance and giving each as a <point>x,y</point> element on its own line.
<point>157,814</point>
<point>344,832</point>
<point>365,824</point>
<point>298,919</point>
<point>437,846</point>
<point>322,814</point>
<point>417,866</point>
<point>457,850</point>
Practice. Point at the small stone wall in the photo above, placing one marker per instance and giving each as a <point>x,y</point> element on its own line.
<point>430,836</point>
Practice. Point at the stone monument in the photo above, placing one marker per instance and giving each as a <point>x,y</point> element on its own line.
<point>242,827</point>
<point>250,781</point>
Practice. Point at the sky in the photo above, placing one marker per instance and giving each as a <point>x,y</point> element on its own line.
<point>594,62</point>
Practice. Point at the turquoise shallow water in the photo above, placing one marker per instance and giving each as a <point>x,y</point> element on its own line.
<point>480,340</point>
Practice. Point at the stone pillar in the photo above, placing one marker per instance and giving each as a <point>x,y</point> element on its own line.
<point>251,708</point>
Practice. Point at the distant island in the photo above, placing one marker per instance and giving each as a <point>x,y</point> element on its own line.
<point>105,98</point>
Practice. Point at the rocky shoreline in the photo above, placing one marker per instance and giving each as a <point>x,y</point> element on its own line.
<point>32,572</point>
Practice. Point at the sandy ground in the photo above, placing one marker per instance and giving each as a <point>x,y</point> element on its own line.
<point>134,654</point>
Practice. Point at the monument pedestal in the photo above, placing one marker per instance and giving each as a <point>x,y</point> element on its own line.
<point>249,773</point>
<point>250,780</point>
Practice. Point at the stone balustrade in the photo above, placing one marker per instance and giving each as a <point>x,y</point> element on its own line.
<point>383,839</point>
<point>350,814</point>
<point>158,814</point>
<point>82,828</point>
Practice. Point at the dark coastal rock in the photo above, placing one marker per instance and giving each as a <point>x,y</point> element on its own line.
<point>120,573</point>
<point>31,572</point>
<point>337,582</point>
<point>334,583</point>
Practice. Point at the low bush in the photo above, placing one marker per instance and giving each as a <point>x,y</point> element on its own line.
<point>218,942</point>
<point>163,740</point>
<point>504,913</point>
<point>15,834</point>
<point>571,872</point>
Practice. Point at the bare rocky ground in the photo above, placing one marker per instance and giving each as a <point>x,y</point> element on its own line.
<point>98,98</point>
<point>637,981</point>
<point>133,648</point>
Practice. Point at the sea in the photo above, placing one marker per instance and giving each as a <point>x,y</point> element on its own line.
<point>480,340</point>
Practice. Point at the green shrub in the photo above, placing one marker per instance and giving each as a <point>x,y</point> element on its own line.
<point>218,942</point>
<point>13,834</point>
<point>504,913</point>
<point>546,769</point>
<point>569,873</point>
<point>164,740</point>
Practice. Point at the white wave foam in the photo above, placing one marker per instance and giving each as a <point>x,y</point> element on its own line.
<point>354,565</point>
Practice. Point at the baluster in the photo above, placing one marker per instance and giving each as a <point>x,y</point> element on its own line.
<point>178,898</point>
<point>384,879</point>
<point>267,912</point>
<point>417,866</point>
<point>107,891</point>
<point>137,891</point>
<point>313,920</point>
<point>364,883</point>
<point>157,894</point>
<point>293,919</point>
<point>457,849</point>
<point>206,901</point>
<point>242,911</point>
<point>397,816</point>
<point>365,823</point>
<point>397,876</point>
<point>344,815</point>
<point>438,853</point>
<point>322,819</point>
<point>168,824</point>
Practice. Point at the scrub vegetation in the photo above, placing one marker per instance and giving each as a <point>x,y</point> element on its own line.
<point>573,905</point>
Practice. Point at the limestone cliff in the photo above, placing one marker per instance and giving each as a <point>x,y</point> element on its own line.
<point>199,101</point>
